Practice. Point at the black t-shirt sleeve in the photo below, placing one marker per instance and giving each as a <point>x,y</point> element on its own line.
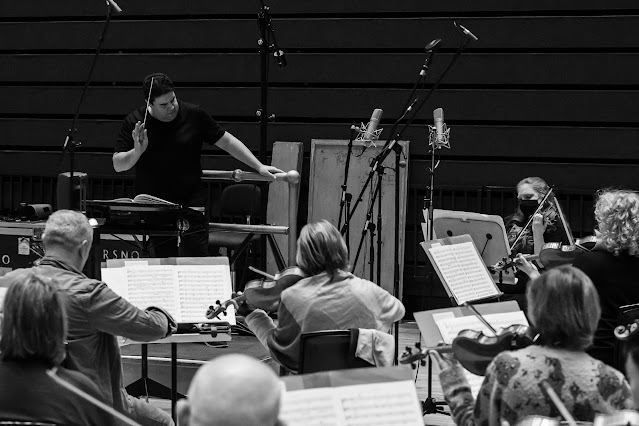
<point>124,141</point>
<point>211,128</point>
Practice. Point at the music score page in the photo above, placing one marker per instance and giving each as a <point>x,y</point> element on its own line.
<point>463,271</point>
<point>185,291</point>
<point>383,404</point>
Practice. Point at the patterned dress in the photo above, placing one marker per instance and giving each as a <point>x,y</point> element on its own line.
<point>511,389</point>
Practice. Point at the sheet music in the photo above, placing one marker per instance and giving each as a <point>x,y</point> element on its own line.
<point>185,291</point>
<point>153,286</point>
<point>449,327</point>
<point>383,404</point>
<point>200,286</point>
<point>463,271</point>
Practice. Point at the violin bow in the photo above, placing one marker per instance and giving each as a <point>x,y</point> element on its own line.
<point>545,386</point>
<point>564,222</point>
<point>532,216</point>
<point>480,317</point>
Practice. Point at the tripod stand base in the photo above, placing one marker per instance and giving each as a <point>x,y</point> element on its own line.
<point>431,406</point>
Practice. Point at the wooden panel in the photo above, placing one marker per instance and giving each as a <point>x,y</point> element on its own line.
<point>334,68</point>
<point>43,8</point>
<point>558,106</point>
<point>328,158</point>
<point>613,143</point>
<point>346,33</point>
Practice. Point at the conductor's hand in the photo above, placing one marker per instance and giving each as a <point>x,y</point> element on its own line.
<point>140,140</point>
<point>538,224</point>
<point>526,267</point>
<point>444,361</point>
<point>269,171</point>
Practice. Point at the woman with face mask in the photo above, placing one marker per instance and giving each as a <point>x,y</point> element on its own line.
<point>546,227</point>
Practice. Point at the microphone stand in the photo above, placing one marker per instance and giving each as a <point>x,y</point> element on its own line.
<point>266,33</point>
<point>70,144</point>
<point>392,145</point>
<point>345,200</point>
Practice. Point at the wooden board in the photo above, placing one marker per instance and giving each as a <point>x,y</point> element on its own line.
<point>286,156</point>
<point>328,158</point>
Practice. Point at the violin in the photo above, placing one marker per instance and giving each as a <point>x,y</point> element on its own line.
<point>622,332</point>
<point>261,293</point>
<point>474,350</point>
<point>508,263</point>
<point>555,254</point>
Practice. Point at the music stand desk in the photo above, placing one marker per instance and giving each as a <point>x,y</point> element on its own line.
<point>487,232</point>
<point>174,340</point>
<point>430,331</point>
<point>352,376</point>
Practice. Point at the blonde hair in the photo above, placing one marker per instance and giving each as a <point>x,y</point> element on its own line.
<point>563,307</point>
<point>617,214</point>
<point>321,248</point>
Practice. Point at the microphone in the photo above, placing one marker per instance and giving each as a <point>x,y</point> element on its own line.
<point>466,32</point>
<point>438,118</point>
<point>114,5</point>
<point>431,48</point>
<point>370,133</point>
<point>439,133</point>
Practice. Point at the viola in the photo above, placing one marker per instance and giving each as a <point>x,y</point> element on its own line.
<point>555,254</point>
<point>261,293</point>
<point>474,350</point>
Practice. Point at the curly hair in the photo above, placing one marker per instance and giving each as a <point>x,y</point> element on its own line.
<point>617,215</point>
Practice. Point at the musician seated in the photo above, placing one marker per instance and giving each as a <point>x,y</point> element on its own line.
<point>631,347</point>
<point>330,298</point>
<point>34,327</point>
<point>613,265</point>
<point>546,226</point>
<point>563,308</point>
<point>232,390</point>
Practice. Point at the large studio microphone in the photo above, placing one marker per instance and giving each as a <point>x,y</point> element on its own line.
<point>440,133</point>
<point>438,117</point>
<point>369,132</point>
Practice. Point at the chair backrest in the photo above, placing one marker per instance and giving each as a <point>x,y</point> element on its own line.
<point>329,350</point>
<point>242,199</point>
<point>627,315</point>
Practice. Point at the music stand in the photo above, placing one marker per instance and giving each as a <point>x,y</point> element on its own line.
<point>487,232</point>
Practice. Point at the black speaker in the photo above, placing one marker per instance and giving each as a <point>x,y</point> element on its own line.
<point>64,200</point>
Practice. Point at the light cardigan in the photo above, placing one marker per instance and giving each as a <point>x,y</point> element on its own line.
<point>319,303</point>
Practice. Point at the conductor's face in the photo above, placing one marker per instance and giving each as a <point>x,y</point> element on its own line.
<point>165,107</point>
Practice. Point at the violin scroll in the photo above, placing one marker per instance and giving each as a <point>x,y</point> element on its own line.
<point>622,332</point>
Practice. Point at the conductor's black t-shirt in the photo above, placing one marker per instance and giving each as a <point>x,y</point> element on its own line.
<point>170,167</point>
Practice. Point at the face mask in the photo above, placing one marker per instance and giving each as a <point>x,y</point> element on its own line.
<point>528,207</point>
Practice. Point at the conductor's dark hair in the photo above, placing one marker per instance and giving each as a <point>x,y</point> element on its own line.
<point>34,323</point>
<point>162,85</point>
